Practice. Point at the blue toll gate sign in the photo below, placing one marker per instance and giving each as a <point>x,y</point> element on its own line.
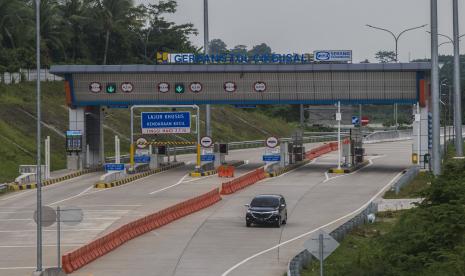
<point>165,122</point>
<point>114,167</point>
<point>271,158</point>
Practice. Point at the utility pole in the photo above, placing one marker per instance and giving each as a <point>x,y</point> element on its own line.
<point>38,172</point>
<point>436,155</point>
<point>206,41</point>
<point>457,92</point>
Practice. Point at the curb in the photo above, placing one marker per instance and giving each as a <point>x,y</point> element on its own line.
<point>16,187</point>
<point>103,185</point>
<point>212,172</point>
<point>207,173</point>
<point>349,170</point>
<point>288,168</point>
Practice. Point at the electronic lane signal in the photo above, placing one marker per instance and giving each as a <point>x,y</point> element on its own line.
<point>179,88</point>
<point>111,88</point>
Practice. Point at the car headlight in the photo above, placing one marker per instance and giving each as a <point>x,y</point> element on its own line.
<point>275,212</point>
<point>248,211</point>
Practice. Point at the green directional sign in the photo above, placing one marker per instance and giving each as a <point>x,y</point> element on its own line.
<point>111,88</point>
<point>179,88</point>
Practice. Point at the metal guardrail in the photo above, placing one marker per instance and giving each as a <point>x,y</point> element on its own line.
<point>391,135</point>
<point>405,179</point>
<point>3,187</point>
<point>241,145</point>
<point>304,258</point>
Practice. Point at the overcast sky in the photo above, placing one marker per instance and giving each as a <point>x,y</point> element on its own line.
<point>302,26</point>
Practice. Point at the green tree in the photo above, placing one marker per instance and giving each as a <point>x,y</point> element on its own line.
<point>385,56</point>
<point>239,50</point>
<point>75,17</point>
<point>52,35</point>
<point>164,35</point>
<point>217,46</point>
<point>261,49</point>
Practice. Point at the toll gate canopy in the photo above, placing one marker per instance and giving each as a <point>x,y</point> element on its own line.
<point>315,84</point>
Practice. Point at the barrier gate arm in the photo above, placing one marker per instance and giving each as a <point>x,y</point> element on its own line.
<point>196,107</point>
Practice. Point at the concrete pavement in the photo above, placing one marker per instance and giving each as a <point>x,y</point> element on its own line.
<point>213,241</point>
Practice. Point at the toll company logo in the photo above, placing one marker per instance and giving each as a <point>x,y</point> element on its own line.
<point>127,87</point>
<point>95,87</point>
<point>323,56</point>
<point>163,87</point>
<point>195,87</point>
<point>230,87</point>
<point>259,86</point>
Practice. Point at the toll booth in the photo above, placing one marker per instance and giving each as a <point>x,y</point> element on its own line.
<point>357,152</point>
<point>157,157</point>
<point>84,139</point>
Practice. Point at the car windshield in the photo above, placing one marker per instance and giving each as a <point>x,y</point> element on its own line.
<point>265,202</point>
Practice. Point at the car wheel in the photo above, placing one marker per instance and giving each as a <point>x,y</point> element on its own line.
<point>248,224</point>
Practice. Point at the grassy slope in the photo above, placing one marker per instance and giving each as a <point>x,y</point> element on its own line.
<point>17,128</point>
<point>414,188</point>
<point>355,251</point>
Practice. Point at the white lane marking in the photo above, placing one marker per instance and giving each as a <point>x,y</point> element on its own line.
<point>72,197</point>
<point>21,267</point>
<point>169,187</point>
<point>104,190</point>
<point>314,230</point>
<point>103,205</point>
<point>53,230</point>
<point>199,178</point>
<point>44,188</point>
<point>44,245</point>
<point>370,162</point>
<point>29,219</point>
<point>293,170</point>
<point>17,195</point>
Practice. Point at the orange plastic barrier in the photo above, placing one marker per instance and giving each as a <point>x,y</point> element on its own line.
<point>243,181</point>
<point>78,258</point>
<point>326,148</point>
<point>226,171</point>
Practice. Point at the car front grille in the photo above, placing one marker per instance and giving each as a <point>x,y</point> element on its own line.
<point>261,215</point>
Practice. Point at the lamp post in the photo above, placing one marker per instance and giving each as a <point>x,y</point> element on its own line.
<point>457,92</point>
<point>396,37</point>
<point>208,131</point>
<point>38,169</point>
<point>436,155</point>
<point>396,40</point>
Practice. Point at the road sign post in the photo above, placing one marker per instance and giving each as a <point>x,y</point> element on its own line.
<point>321,245</point>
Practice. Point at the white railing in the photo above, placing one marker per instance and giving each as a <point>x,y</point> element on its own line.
<point>27,75</point>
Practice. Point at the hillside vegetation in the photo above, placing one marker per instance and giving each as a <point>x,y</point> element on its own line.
<point>18,126</point>
<point>426,240</point>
